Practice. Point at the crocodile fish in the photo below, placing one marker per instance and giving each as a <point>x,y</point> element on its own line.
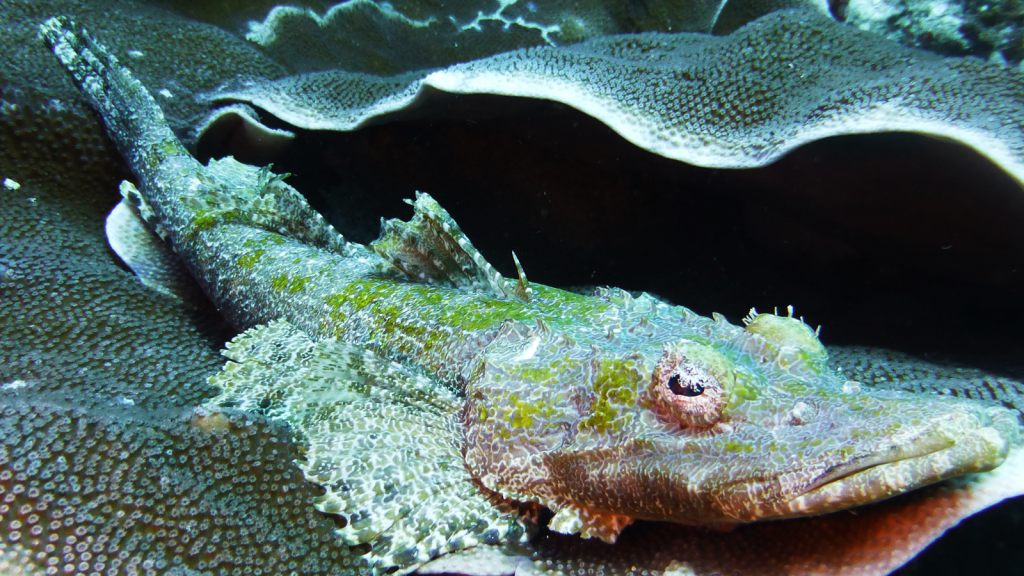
<point>442,405</point>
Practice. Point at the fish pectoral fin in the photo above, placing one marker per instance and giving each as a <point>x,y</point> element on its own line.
<point>431,248</point>
<point>589,524</point>
<point>150,258</point>
<point>383,441</point>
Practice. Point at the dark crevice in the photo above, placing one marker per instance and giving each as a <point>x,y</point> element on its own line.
<point>893,240</point>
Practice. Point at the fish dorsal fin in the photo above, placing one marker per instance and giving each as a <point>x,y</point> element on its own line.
<point>522,288</point>
<point>383,441</point>
<point>431,248</point>
<point>259,197</point>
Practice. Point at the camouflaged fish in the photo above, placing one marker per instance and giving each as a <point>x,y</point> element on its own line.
<point>442,405</point>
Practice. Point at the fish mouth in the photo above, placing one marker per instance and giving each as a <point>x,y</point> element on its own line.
<point>945,451</point>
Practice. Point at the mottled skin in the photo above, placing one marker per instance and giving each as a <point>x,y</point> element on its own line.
<point>603,408</point>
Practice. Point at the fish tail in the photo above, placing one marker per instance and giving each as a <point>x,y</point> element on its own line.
<point>133,119</point>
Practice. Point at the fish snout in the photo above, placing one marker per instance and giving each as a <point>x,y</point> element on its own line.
<point>963,439</point>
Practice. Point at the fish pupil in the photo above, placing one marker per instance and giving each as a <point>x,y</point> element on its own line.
<point>690,388</point>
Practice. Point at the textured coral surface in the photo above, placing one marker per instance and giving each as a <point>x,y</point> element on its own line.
<point>743,100</point>
<point>130,491</point>
<point>105,469</point>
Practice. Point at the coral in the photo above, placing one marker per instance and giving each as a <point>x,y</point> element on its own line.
<point>893,370</point>
<point>364,36</point>
<point>607,16</point>
<point>934,24</point>
<point>71,320</point>
<point>171,51</point>
<point>171,54</point>
<point>736,13</point>
<point>386,38</point>
<point>237,126</point>
<point>99,470</point>
<point>16,560</point>
<point>975,27</point>
<point>133,491</point>
<point>744,100</point>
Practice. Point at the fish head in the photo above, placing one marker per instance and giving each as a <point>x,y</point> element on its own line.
<point>752,425</point>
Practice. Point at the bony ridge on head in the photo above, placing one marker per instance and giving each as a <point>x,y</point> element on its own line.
<point>692,383</point>
<point>788,340</point>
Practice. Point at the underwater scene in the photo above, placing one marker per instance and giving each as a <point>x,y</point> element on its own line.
<point>505,287</point>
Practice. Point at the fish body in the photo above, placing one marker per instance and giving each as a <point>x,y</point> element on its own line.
<point>603,408</point>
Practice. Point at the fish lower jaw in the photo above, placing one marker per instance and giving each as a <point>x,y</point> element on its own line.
<point>979,450</point>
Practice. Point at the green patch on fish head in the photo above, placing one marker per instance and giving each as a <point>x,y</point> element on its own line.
<point>698,433</point>
<point>516,395</point>
<point>614,393</point>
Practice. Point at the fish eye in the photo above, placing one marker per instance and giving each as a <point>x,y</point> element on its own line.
<point>690,387</point>
<point>691,383</point>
